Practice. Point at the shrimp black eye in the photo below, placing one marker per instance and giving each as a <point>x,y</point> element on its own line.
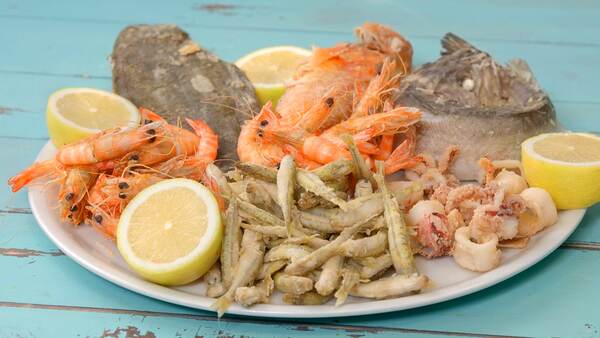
<point>123,185</point>
<point>98,219</point>
<point>260,133</point>
<point>151,132</point>
<point>329,102</point>
<point>135,157</point>
<point>152,139</point>
<point>69,196</point>
<point>147,121</point>
<point>73,208</point>
<point>122,196</point>
<point>263,123</point>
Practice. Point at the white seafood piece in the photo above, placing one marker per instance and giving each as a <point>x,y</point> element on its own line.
<point>540,212</point>
<point>422,209</point>
<point>367,246</point>
<point>394,286</point>
<point>291,252</point>
<point>330,276</point>
<point>406,192</point>
<point>371,266</point>
<point>292,284</point>
<point>510,182</point>
<point>476,256</point>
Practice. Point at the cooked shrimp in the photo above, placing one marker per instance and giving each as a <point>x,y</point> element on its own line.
<point>345,67</point>
<point>251,146</point>
<point>109,144</point>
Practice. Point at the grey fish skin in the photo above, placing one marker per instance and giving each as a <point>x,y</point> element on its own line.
<point>469,100</point>
<point>158,67</point>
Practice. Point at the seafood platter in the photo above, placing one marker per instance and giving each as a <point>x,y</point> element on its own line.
<point>336,181</point>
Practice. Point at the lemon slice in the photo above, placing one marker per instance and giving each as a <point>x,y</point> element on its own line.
<point>269,68</point>
<point>170,233</point>
<point>567,165</point>
<point>75,113</point>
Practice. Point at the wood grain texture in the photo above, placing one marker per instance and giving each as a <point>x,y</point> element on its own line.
<point>522,303</point>
<point>549,22</point>
<point>50,45</point>
<point>85,54</point>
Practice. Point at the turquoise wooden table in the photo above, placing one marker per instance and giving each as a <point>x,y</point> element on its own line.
<point>48,45</point>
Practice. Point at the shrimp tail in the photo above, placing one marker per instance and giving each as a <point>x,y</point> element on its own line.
<point>37,170</point>
<point>402,158</point>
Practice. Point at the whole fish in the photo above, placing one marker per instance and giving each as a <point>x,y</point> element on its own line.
<point>469,100</point>
<point>160,68</point>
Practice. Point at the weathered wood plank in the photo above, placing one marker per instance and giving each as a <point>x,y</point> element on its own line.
<point>85,53</point>
<point>556,22</point>
<point>106,323</point>
<point>523,303</point>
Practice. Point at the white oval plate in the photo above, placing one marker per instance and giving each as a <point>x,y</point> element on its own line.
<point>99,254</point>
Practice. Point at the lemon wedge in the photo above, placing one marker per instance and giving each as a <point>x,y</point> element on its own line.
<point>269,68</point>
<point>75,113</point>
<point>171,232</point>
<point>566,165</point>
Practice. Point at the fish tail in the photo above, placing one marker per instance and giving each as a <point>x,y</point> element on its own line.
<point>221,305</point>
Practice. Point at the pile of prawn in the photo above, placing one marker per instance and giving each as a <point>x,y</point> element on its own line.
<point>341,230</point>
<point>347,89</point>
<point>100,174</point>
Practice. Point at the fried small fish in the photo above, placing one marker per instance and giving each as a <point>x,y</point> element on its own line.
<point>469,100</point>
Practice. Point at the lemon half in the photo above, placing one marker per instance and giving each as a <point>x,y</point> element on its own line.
<point>270,68</point>
<point>171,232</point>
<point>567,165</point>
<point>76,113</point>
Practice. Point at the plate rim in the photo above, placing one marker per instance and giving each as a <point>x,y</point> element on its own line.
<point>139,285</point>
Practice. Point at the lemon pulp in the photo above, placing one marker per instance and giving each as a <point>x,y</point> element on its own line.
<point>270,68</point>
<point>170,233</point>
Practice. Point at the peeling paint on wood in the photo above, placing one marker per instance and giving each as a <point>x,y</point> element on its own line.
<point>7,110</point>
<point>11,210</point>
<point>225,9</point>
<point>129,331</point>
<point>23,253</point>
